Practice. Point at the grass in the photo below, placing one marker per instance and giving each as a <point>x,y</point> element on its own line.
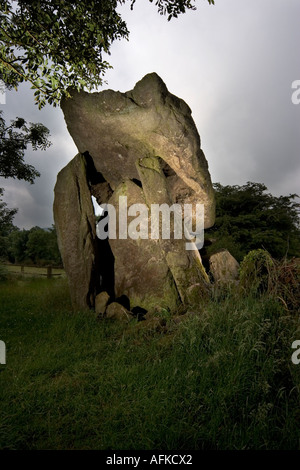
<point>219,377</point>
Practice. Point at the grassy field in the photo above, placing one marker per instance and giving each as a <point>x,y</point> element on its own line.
<point>218,377</point>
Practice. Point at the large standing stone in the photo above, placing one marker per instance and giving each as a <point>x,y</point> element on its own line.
<point>117,129</point>
<point>141,270</point>
<point>75,223</point>
<point>142,144</point>
<point>185,265</point>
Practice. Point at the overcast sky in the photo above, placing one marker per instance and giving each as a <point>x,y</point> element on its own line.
<point>233,63</point>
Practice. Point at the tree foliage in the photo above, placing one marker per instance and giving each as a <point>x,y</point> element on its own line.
<point>41,246</point>
<point>57,44</point>
<point>6,224</point>
<point>249,218</point>
<point>35,246</point>
<point>173,8</point>
<point>14,140</point>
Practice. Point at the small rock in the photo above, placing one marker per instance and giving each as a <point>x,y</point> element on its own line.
<point>101,302</point>
<point>224,267</point>
<point>118,312</point>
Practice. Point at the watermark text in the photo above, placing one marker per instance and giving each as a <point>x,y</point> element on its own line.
<point>296,354</point>
<point>296,93</point>
<point>163,221</point>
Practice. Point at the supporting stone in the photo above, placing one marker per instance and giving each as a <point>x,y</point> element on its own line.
<point>76,231</point>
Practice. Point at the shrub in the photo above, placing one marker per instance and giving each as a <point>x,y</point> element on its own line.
<point>260,273</point>
<point>256,271</point>
<point>287,285</point>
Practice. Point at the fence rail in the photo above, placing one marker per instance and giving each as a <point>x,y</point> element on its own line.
<point>48,271</point>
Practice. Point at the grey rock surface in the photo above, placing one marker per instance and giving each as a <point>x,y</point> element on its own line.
<point>76,232</point>
<point>224,267</point>
<point>142,144</point>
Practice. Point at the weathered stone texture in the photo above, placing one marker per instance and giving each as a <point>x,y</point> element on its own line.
<point>75,223</point>
<point>119,128</point>
<point>142,144</point>
<point>115,311</point>
<point>101,302</point>
<point>224,267</point>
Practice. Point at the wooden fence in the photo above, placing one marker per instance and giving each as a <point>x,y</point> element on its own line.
<point>48,271</point>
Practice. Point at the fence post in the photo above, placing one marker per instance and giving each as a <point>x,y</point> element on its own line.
<point>2,352</point>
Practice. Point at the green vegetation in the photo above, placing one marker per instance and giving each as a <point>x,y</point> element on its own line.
<point>55,45</point>
<point>14,140</point>
<point>216,377</point>
<point>13,270</point>
<point>6,224</point>
<point>248,218</point>
<point>36,246</point>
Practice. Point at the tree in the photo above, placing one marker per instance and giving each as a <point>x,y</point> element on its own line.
<point>14,140</point>
<point>17,241</point>
<point>6,224</point>
<point>56,44</point>
<point>37,246</point>
<point>248,218</point>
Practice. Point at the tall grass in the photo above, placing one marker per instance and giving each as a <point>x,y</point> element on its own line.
<point>218,377</point>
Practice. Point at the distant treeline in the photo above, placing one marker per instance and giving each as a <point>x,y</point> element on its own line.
<point>36,246</point>
<point>248,218</point>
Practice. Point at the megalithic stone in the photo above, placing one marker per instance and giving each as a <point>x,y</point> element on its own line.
<point>76,232</point>
<point>143,144</point>
<point>117,129</point>
<point>185,265</point>
<point>141,270</point>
